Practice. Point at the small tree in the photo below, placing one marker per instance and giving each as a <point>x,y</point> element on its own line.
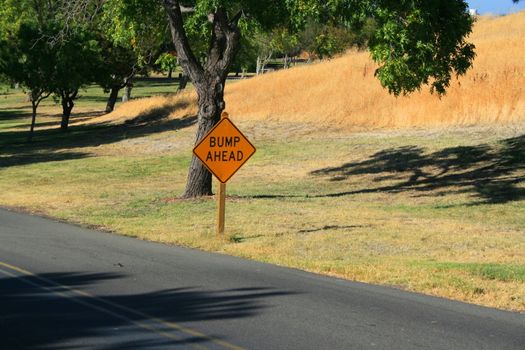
<point>120,65</point>
<point>77,64</point>
<point>167,62</point>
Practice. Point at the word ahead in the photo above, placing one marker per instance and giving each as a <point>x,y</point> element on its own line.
<point>224,150</point>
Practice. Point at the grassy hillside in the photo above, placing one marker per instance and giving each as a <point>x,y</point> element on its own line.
<point>344,93</point>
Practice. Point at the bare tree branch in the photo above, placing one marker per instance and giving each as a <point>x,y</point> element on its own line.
<point>72,12</point>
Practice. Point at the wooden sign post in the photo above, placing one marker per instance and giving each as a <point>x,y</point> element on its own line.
<point>224,150</point>
<point>221,208</point>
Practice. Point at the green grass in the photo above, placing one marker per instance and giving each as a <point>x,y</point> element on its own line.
<point>499,272</point>
<point>442,215</point>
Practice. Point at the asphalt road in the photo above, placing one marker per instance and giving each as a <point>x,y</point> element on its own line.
<point>65,287</point>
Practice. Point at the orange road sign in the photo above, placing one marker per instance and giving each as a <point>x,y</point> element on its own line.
<point>224,150</point>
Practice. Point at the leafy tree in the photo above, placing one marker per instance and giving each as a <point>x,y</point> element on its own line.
<point>167,62</point>
<point>46,55</point>
<point>247,56</point>
<point>120,65</point>
<point>327,40</point>
<point>134,25</point>
<point>77,63</point>
<point>415,43</point>
<point>29,63</point>
<point>284,42</point>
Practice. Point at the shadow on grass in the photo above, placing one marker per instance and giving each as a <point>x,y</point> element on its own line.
<point>14,114</point>
<point>53,145</point>
<point>491,173</point>
<point>42,311</point>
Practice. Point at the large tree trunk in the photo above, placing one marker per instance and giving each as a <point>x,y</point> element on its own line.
<point>208,78</point>
<point>112,100</point>
<point>211,105</point>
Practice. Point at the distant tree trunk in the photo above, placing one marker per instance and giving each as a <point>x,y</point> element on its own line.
<point>34,106</point>
<point>261,63</point>
<point>127,91</point>
<point>170,73</point>
<point>68,102</point>
<point>35,97</point>
<point>183,82</point>
<point>112,100</point>
<point>259,67</point>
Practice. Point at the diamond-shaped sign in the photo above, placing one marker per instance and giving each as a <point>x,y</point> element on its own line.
<point>224,150</point>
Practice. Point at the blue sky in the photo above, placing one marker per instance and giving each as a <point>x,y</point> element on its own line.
<point>496,7</point>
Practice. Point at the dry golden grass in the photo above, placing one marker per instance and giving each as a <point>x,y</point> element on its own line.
<point>170,106</point>
<point>344,93</point>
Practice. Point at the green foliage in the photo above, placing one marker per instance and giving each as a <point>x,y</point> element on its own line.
<point>28,61</point>
<point>414,42</point>
<point>283,41</point>
<point>167,61</point>
<point>247,56</point>
<point>77,61</point>
<point>421,42</point>
<point>119,63</point>
<point>12,14</point>
<point>134,24</point>
<point>327,40</point>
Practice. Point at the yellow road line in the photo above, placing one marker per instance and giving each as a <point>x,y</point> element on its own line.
<point>165,323</point>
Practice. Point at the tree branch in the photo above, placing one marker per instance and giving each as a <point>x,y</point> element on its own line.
<point>187,59</point>
<point>224,42</point>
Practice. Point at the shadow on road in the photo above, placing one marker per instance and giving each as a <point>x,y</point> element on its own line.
<point>37,312</point>
<point>491,173</point>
